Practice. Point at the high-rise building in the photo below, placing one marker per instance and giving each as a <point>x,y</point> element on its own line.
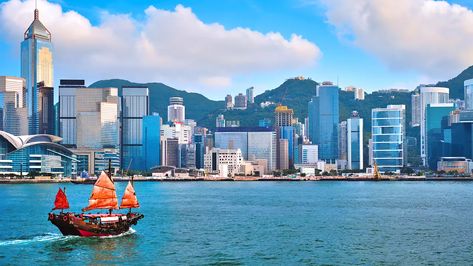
<point>171,152</point>
<point>228,102</point>
<point>250,96</point>
<point>429,95</point>
<point>310,154</point>
<point>389,133</point>
<point>359,94</point>
<point>199,141</point>
<point>88,123</point>
<point>151,141</point>
<point>283,116</point>
<point>415,104</point>
<point>288,133</point>
<point>46,109</point>
<point>36,67</point>
<point>283,156</point>
<point>179,131</point>
<point>342,141</point>
<point>324,119</point>
<point>436,119</point>
<point>176,110</point>
<point>468,92</point>
<point>220,121</point>
<point>240,102</point>
<point>13,113</point>
<point>355,141</point>
<point>134,107</point>
<point>254,142</point>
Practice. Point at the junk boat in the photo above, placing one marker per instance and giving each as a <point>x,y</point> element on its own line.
<point>103,197</point>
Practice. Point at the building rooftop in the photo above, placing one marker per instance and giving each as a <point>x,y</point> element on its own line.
<point>37,30</point>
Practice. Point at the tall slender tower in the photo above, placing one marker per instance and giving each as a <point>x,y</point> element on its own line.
<point>36,67</point>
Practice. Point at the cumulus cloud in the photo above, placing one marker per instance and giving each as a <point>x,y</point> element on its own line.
<point>432,37</point>
<point>169,46</point>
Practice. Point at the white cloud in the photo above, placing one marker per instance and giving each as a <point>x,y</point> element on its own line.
<point>175,47</point>
<point>433,38</point>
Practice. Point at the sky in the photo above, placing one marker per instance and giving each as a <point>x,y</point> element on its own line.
<point>223,47</point>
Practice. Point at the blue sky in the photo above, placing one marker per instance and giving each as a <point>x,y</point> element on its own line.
<point>351,58</point>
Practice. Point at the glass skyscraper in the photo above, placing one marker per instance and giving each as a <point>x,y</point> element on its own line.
<point>324,120</point>
<point>468,94</point>
<point>355,142</point>
<point>36,67</point>
<point>134,107</point>
<point>436,119</point>
<point>151,141</point>
<point>388,134</point>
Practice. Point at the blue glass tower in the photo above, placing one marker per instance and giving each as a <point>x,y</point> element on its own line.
<point>324,120</point>
<point>151,141</point>
<point>36,67</point>
<point>199,141</point>
<point>287,132</point>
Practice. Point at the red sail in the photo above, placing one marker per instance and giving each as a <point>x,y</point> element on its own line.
<point>61,200</point>
<point>129,199</point>
<point>103,195</point>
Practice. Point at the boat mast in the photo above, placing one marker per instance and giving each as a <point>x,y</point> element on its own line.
<point>110,176</point>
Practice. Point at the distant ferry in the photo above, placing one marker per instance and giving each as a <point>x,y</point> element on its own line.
<point>103,197</point>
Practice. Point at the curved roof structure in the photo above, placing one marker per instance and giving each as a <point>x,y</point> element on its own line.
<point>20,142</point>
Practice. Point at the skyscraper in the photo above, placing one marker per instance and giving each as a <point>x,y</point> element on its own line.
<point>388,133</point>
<point>355,141</point>
<point>13,114</point>
<point>429,95</point>
<point>283,116</point>
<point>134,107</point>
<point>46,109</point>
<point>468,94</point>
<point>36,67</point>
<point>176,110</point>
<point>342,141</point>
<point>228,102</point>
<point>324,119</point>
<point>240,102</point>
<point>415,104</point>
<point>250,96</point>
<point>436,119</point>
<point>151,141</point>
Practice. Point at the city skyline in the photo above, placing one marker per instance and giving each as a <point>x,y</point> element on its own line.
<point>314,44</point>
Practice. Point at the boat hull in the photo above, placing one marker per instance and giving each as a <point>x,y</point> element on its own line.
<point>90,225</point>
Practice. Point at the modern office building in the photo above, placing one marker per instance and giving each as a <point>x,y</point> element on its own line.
<point>170,152</point>
<point>253,142</point>
<point>288,133</point>
<point>283,154</point>
<point>468,92</point>
<point>436,119</point>
<point>46,112</point>
<point>310,154</point>
<point>429,95</point>
<point>40,154</point>
<point>228,102</point>
<point>89,125</point>
<point>134,107</point>
<point>199,141</point>
<point>324,120</point>
<point>355,142</point>
<point>250,95</point>
<point>36,67</point>
<point>176,110</point>
<point>177,130</point>
<point>151,141</point>
<point>225,162</point>
<point>13,113</point>
<point>388,134</point>
<point>416,110</point>
<point>240,102</point>
<point>283,116</point>
<point>342,141</point>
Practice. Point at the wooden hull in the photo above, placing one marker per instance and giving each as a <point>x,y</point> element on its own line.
<point>90,225</point>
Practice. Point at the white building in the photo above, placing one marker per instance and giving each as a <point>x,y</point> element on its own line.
<point>250,95</point>
<point>310,154</point>
<point>218,159</point>
<point>177,131</point>
<point>355,142</point>
<point>176,110</point>
<point>429,95</point>
<point>13,112</point>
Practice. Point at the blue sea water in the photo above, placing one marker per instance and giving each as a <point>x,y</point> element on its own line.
<point>255,223</point>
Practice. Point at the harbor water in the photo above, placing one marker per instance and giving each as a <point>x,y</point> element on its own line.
<point>256,223</point>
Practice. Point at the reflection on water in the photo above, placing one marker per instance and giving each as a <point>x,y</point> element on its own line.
<point>93,250</point>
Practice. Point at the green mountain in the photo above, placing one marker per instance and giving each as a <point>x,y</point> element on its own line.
<point>198,107</point>
<point>456,84</point>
